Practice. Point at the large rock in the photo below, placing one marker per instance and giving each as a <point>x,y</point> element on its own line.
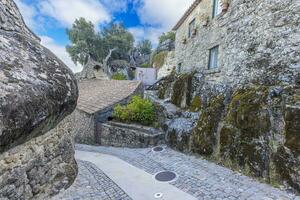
<point>253,129</point>
<point>36,89</point>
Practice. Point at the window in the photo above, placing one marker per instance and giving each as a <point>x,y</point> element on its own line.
<point>217,8</point>
<point>179,67</point>
<point>191,27</point>
<point>213,58</point>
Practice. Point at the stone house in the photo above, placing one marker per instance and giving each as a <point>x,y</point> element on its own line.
<point>239,70</point>
<point>229,39</point>
<point>96,101</point>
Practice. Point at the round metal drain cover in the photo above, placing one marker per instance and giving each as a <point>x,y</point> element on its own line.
<point>158,195</point>
<point>165,176</point>
<point>158,149</point>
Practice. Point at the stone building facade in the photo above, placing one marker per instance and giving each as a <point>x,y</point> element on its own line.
<point>255,39</point>
<point>239,72</point>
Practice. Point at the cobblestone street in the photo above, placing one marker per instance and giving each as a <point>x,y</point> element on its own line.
<point>197,177</point>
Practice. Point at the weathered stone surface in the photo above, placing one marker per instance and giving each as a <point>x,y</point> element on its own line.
<point>168,66</point>
<point>292,127</point>
<point>182,94</point>
<point>258,41</point>
<point>287,166</point>
<point>36,89</point>
<point>205,136</point>
<point>242,128</point>
<point>40,167</point>
<point>245,137</point>
<point>130,135</point>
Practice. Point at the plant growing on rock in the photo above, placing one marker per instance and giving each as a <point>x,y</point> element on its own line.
<point>119,76</point>
<point>138,110</point>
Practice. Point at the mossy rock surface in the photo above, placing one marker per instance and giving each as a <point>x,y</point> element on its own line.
<point>204,136</point>
<point>292,128</point>
<point>159,59</point>
<point>180,144</point>
<point>196,104</point>
<point>287,165</point>
<point>182,91</point>
<point>244,137</point>
<point>166,85</point>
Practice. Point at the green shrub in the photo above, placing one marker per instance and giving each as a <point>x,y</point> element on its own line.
<point>119,76</point>
<point>138,111</point>
<point>145,65</point>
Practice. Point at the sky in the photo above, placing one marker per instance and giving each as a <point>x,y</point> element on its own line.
<point>145,19</point>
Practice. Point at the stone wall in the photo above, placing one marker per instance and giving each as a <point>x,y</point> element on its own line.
<point>129,135</point>
<point>37,92</point>
<point>258,41</point>
<point>253,129</point>
<point>83,127</point>
<point>40,167</point>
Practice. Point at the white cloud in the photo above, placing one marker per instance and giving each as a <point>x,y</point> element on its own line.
<point>115,5</point>
<point>150,33</point>
<point>28,13</point>
<point>60,52</point>
<point>162,13</point>
<point>67,11</point>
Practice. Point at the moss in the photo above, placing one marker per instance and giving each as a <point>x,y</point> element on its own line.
<point>247,111</point>
<point>180,144</point>
<point>145,65</point>
<point>196,104</point>
<point>182,90</point>
<point>292,128</point>
<point>159,59</point>
<point>288,166</point>
<point>204,136</point>
<point>244,137</point>
<point>165,85</point>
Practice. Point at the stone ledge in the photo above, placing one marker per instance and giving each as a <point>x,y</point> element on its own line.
<point>130,135</point>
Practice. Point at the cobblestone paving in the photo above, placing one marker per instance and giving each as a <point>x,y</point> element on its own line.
<point>92,184</point>
<point>198,177</point>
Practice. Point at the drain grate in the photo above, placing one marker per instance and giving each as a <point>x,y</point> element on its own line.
<point>165,176</point>
<point>158,149</point>
<point>158,195</point>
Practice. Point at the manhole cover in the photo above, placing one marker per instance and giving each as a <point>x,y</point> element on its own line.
<point>158,195</point>
<point>165,176</point>
<point>158,149</point>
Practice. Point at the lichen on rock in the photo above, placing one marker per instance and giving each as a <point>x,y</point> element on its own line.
<point>244,138</point>
<point>182,90</point>
<point>204,136</point>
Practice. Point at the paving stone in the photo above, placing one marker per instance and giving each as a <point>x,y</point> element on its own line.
<point>198,177</point>
<point>91,183</point>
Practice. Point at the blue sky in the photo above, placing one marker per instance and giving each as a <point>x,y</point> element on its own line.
<point>145,19</point>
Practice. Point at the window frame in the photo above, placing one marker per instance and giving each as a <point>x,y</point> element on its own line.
<point>213,58</point>
<point>192,25</point>
<point>217,10</point>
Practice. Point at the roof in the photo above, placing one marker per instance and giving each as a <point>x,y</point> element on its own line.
<point>96,95</point>
<point>186,14</point>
